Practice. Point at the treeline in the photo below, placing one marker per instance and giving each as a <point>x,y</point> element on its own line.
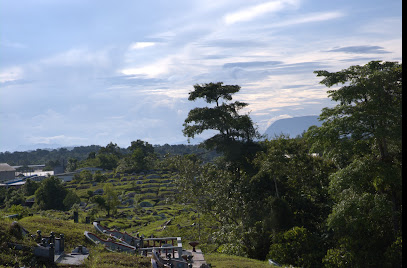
<point>42,156</point>
<point>59,157</point>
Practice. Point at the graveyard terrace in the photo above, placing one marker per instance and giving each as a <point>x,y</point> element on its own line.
<point>158,248</point>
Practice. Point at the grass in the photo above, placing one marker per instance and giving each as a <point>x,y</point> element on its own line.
<point>74,236</point>
<point>73,232</point>
<point>227,261</point>
<point>9,257</point>
<point>102,259</point>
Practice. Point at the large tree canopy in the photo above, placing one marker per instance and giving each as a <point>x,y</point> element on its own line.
<point>235,131</point>
<point>362,134</point>
<point>369,109</point>
<point>50,194</point>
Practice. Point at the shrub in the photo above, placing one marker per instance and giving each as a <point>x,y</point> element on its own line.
<point>70,199</point>
<point>145,204</point>
<point>296,246</point>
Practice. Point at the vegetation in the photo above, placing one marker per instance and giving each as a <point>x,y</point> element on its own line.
<point>74,237</point>
<point>52,157</point>
<point>362,136</point>
<point>60,157</point>
<point>329,198</point>
<point>226,261</point>
<point>235,132</point>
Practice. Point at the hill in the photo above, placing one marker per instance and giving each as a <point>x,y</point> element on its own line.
<point>292,126</point>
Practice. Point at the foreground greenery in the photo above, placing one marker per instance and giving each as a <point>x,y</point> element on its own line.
<point>98,257</point>
<point>330,198</point>
<point>74,236</point>
<point>226,261</point>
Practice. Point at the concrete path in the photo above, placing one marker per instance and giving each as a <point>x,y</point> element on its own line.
<point>198,258</point>
<point>72,258</point>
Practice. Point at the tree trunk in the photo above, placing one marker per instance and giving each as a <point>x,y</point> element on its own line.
<point>275,184</point>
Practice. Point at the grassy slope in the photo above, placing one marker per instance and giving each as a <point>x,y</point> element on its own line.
<point>9,257</point>
<point>102,259</point>
<point>73,237</point>
<point>227,261</point>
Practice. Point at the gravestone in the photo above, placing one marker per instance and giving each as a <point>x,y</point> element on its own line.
<point>75,217</point>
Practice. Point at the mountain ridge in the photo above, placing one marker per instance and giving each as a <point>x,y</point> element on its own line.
<point>292,127</point>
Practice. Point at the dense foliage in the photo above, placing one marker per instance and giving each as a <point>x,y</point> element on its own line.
<point>42,156</point>
<point>362,135</point>
<point>93,155</point>
<point>235,133</point>
<point>330,198</point>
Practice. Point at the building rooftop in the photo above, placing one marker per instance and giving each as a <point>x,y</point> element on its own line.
<point>6,167</point>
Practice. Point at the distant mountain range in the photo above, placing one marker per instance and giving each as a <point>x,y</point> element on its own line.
<point>292,126</point>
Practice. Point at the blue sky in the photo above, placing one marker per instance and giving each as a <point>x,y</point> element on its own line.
<point>77,72</point>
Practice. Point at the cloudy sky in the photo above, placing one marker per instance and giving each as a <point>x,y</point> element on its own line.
<point>82,72</point>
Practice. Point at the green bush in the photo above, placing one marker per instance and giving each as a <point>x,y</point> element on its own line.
<point>394,253</point>
<point>298,247</point>
<point>338,258</point>
<point>235,249</point>
<point>19,209</point>
<point>70,199</point>
<point>145,204</point>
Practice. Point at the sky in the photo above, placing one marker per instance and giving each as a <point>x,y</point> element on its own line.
<point>84,72</point>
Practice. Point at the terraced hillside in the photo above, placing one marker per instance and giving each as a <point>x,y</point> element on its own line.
<point>147,205</point>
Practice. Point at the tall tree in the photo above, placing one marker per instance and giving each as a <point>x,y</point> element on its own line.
<point>30,187</point>
<point>70,199</point>
<point>111,197</point>
<point>235,132</point>
<point>72,164</point>
<point>369,109</point>
<point>288,171</point>
<point>50,194</point>
<point>141,158</point>
<point>111,148</point>
<point>362,134</point>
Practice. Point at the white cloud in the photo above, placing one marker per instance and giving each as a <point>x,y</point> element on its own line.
<point>141,45</point>
<point>275,118</point>
<point>59,139</point>
<point>161,67</point>
<point>314,17</point>
<point>78,56</point>
<point>11,74</point>
<point>252,12</point>
<point>176,65</point>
